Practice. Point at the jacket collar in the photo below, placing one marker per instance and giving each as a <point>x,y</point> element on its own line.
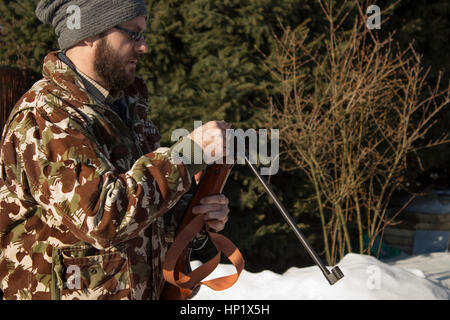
<point>79,86</point>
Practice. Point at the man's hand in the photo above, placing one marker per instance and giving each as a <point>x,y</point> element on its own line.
<point>212,138</point>
<point>215,210</point>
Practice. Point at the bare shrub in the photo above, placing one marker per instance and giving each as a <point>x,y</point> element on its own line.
<point>353,107</point>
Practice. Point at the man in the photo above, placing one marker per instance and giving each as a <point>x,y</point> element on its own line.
<point>89,201</point>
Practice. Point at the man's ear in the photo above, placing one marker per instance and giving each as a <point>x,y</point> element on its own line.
<point>89,42</point>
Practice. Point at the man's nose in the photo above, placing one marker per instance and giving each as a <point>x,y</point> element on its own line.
<point>142,46</point>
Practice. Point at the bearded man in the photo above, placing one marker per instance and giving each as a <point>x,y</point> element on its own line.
<point>89,201</point>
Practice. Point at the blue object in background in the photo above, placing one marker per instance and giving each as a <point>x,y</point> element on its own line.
<point>426,241</point>
<point>385,252</point>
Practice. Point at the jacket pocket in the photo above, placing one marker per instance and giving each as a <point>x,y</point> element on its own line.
<point>85,273</point>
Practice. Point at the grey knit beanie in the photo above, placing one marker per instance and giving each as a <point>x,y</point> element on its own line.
<point>75,20</point>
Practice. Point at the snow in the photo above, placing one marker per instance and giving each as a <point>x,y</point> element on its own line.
<point>424,277</point>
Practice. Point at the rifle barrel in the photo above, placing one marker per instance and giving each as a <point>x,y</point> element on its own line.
<point>335,274</point>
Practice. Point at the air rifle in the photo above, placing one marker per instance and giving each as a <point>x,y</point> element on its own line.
<point>183,283</point>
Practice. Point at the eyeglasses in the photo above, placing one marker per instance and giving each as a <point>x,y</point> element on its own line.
<point>134,35</point>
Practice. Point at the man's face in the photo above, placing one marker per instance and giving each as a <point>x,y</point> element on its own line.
<point>116,55</point>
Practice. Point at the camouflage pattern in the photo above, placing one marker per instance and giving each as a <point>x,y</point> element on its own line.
<point>82,196</point>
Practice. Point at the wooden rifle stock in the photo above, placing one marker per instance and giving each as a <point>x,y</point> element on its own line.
<point>181,282</point>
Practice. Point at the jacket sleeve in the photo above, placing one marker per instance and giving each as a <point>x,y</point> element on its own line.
<point>54,163</point>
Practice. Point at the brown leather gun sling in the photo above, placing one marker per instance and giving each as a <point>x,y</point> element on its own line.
<point>181,282</point>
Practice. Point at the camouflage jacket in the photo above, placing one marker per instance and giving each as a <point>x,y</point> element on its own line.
<point>82,196</point>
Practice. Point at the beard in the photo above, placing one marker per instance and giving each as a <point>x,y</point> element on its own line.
<point>111,67</point>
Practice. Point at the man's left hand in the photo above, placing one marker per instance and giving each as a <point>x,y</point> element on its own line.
<point>215,210</point>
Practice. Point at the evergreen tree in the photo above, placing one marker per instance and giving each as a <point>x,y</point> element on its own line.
<point>206,61</point>
<point>24,40</point>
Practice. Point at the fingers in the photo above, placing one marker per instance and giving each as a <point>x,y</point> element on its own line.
<point>215,210</point>
<point>217,225</point>
<point>212,211</point>
<point>215,199</point>
<point>212,137</point>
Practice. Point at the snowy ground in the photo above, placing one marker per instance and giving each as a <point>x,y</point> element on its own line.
<point>424,276</point>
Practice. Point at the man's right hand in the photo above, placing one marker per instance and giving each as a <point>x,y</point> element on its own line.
<point>212,138</point>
